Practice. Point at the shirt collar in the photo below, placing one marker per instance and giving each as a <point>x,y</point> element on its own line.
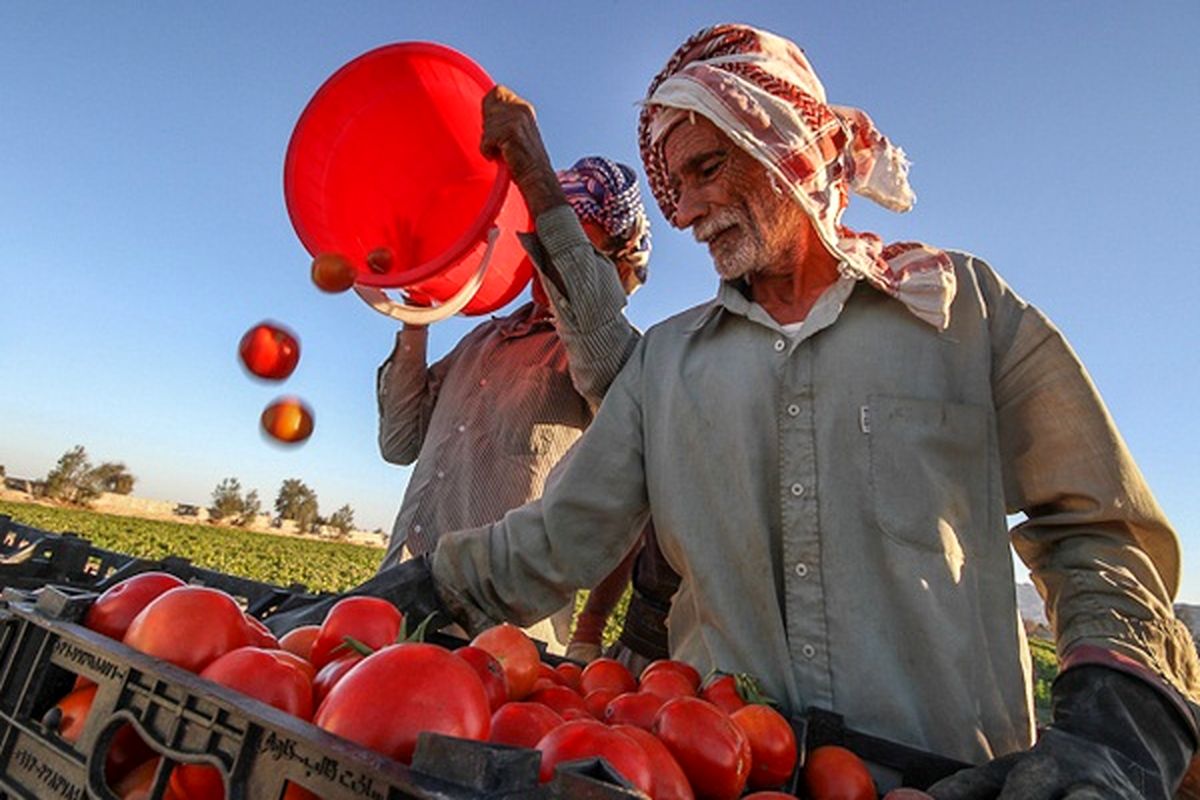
<point>524,321</point>
<point>732,298</point>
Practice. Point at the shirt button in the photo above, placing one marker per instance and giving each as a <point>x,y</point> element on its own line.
<point>797,490</point>
<point>441,474</point>
<point>802,570</point>
<point>808,650</point>
<point>416,528</point>
<point>793,410</point>
<point>779,345</point>
<point>483,381</point>
<point>462,428</point>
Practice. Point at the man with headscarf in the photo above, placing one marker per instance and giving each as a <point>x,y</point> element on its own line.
<point>829,450</point>
<point>486,423</point>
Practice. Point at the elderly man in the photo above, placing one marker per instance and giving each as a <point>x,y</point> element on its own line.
<point>829,450</point>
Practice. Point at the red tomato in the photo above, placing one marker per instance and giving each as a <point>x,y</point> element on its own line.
<point>330,674</point>
<point>190,626</point>
<point>523,724</point>
<point>295,661</point>
<point>563,700</point>
<point>722,691</point>
<point>116,607</point>
<point>681,668</point>
<point>74,708</point>
<point>516,652</point>
<point>667,684</point>
<point>197,782</point>
<point>490,673</point>
<point>332,272</point>
<point>127,748</point>
<point>633,708</point>
<point>385,701</point>
<point>287,420</point>
<point>374,622</point>
<point>136,784</point>
<point>585,738</point>
<point>669,781</point>
<point>300,640</point>
<point>598,700</point>
<point>772,744</point>
<point>269,351</point>
<point>607,673</point>
<point>768,795</point>
<point>711,749</point>
<point>260,634</point>
<point>571,673</point>
<point>835,773</point>
<point>260,674</point>
<point>551,674</point>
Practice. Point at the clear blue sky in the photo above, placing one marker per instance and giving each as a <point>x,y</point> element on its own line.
<point>142,224</point>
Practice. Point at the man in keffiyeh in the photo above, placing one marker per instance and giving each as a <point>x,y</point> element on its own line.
<point>830,449</point>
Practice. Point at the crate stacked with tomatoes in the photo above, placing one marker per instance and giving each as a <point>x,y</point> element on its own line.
<point>160,689</point>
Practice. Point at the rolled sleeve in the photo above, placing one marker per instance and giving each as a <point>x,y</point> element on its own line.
<point>528,564</point>
<point>589,306</point>
<point>1101,551</point>
<point>406,394</point>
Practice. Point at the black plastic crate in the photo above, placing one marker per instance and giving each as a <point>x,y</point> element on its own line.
<point>258,748</point>
<point>31,558</point>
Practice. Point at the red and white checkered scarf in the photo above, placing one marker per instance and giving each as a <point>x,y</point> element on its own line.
<point>760,90</point>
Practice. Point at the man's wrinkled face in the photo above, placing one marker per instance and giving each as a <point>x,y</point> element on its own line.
<point>725,196</point>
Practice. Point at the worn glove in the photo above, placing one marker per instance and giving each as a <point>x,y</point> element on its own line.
<point>1113,737</point>
<point>407,585</point>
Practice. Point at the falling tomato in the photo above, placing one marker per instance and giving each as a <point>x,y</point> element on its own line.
<point>269,351</point>
<point>288,420</point>
<point>332,272</point>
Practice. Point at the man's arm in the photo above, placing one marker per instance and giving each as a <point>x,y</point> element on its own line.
<point>406,391</point>
<point>588,302</point>
<point>584,288</point>
<point>1105,559</point>
<point>529,563</point>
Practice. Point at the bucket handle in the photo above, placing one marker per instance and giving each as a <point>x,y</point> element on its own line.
<point>427,315</point>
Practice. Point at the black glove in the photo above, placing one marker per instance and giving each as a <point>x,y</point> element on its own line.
<point>1113,737</point>
<point>407,585</point>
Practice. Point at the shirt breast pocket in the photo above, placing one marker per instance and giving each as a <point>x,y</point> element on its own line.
<point>928,470</point>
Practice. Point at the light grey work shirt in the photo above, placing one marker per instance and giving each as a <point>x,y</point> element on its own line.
<point>835,504</point>
<point>487,422</point>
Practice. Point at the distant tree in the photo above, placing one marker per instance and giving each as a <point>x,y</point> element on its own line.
<point>228,503</point>
<point>111,476</point>
<point>297,502</point>
<point>251,506</point>
<point>342,520</point>
<point>68,481</point>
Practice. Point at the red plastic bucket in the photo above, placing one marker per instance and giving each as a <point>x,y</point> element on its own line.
<point>384,162</point>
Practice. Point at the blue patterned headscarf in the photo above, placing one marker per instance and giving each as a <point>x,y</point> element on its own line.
<point>605,192</point>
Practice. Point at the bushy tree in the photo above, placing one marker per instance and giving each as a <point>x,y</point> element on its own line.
<point>342,520</point>
<point>112,476</point>
<point>297,502</point>
<point>63,481</point>
<point>228,503</point>
<point>75,480</point>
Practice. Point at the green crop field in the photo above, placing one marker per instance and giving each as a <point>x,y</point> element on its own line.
<point>327,566</point>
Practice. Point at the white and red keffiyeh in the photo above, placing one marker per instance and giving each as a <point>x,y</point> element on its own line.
<point>760,90</point>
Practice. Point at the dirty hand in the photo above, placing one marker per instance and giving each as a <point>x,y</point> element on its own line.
<point>1113,736</point>
<point>510,132</point>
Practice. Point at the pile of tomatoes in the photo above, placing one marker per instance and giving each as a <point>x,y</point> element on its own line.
<point>360,676</point>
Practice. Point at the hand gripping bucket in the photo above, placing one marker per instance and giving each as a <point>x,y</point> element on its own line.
<point>384,169</point>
